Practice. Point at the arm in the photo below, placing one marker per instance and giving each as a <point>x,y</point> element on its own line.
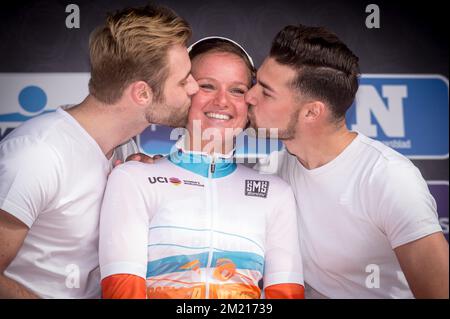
<point>283,274</point>
<point>407,213</point>
<point>124,223</point>
<point>425,265</point>
<point>28,181</point>
<point>12,235</point>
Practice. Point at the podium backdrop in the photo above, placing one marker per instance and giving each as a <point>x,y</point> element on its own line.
<point>403,94</point>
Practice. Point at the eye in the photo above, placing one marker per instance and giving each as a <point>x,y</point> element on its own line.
<point>206,86</point>
<point>237,91</point>
<point>265,94</point>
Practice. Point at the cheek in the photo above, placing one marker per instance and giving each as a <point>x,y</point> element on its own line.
<point>199,101</point>
<point>242,110</point>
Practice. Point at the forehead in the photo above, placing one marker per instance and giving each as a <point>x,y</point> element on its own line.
<point>220,65</point>
<point>276,75</point>
<point>178,59</point>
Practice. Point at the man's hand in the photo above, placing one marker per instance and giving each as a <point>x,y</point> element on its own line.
<point>140,157</point>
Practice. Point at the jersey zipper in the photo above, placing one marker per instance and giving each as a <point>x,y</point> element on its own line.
<point>211,208</point>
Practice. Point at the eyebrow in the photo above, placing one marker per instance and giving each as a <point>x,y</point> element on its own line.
<point>187,75</point>
<point>266,86</point>
<point>234,82</point>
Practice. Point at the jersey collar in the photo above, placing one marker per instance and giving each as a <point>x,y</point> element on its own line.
<point>200,163</point>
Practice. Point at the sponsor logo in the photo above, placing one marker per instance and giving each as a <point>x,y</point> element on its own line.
<point>408,113</point>
<point>159,179</point>
<point>26,95</point>
<point>193,183</point>
<point>173,180</point>
<point>256,188</point>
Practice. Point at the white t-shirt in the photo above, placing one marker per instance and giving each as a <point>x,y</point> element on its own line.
<point>52,178</point>
<point>353,212</point>
<point>194,234</point>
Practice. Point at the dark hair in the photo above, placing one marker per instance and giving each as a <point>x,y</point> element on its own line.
<point>222,45</point>
<point>327,69</point>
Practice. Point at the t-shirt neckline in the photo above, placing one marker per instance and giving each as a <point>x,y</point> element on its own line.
<point>62,111</point>
<point>334,162</point>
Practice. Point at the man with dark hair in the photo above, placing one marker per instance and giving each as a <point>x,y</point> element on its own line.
<point>368,223</point>
<point>53,168</point>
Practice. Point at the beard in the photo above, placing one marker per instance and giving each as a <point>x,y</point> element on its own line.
<point>285,134</point>
<point>169,115</point>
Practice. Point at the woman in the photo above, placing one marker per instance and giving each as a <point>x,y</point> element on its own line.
<point>196,224</point>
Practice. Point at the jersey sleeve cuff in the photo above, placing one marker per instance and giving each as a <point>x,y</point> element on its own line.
<point>283,278</point>
<point>123,268</point>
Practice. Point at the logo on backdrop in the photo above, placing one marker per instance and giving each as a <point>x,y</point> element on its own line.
<point>32,101</point>
<point>406,112</point>
<point>26,95</point>
<point>439,190</point>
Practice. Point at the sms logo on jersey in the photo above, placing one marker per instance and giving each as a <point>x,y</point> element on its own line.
<point>406,112</point>
<point>26,95</point>
<point>256,188</point>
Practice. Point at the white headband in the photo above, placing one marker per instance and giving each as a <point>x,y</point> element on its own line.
<point>226,39</point>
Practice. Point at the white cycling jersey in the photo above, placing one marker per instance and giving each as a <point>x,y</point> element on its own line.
<point>199,227</point>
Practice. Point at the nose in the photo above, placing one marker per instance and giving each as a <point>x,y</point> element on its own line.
<point>220,98</point>
<point>250,96</point>
<point>191,86</point>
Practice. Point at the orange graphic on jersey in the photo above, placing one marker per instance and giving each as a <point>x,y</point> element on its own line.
<point>192,265</point>
<point>221,291</point>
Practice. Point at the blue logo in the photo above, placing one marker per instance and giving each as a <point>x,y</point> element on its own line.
<point>406,112</point>
<point>32,100</point>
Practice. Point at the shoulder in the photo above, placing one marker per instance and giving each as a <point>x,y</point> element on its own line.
<point>138,169</point>
<point>28,151</point>
<point>386,162</point>
<point>40,127</point>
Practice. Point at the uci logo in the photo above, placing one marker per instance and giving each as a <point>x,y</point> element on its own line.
<point>406,112</point>
<point>32,101</point>
<point>164,180</point>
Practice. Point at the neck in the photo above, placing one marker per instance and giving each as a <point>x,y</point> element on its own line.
<point>318,147</point>
<point>109,125</point>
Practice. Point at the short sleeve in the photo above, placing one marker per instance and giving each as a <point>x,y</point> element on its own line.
<point>283,261</point>
<point>401,203</point>
<point>124,226</point>
<point>29,177</point>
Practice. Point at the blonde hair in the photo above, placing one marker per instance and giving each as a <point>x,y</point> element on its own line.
<point>132,46</point>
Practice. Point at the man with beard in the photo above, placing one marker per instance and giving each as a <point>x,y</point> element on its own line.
<point>367,222</point>
<point>53,169</point>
